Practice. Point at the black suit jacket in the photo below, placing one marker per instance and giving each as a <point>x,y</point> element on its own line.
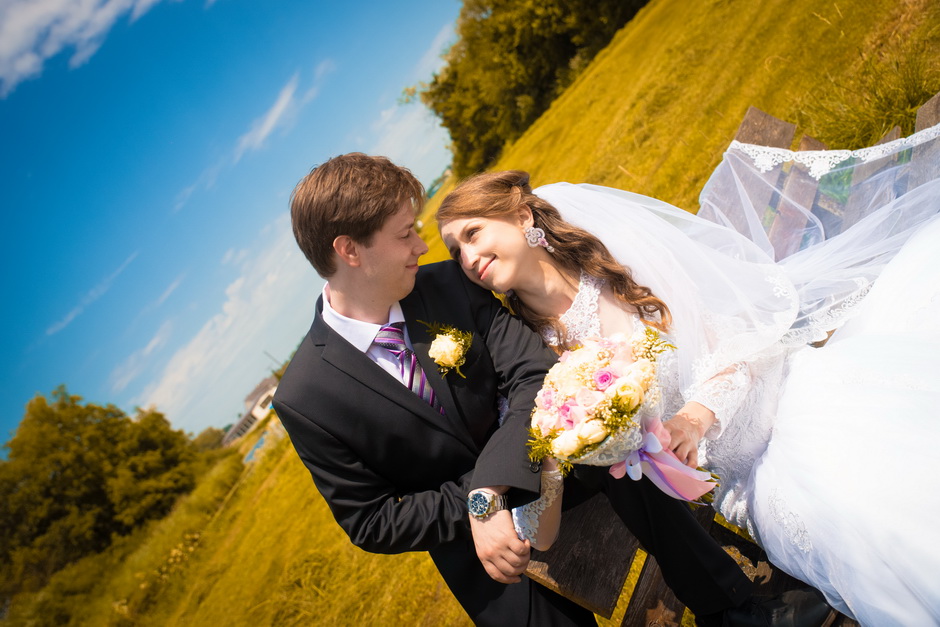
<point>394,472</point>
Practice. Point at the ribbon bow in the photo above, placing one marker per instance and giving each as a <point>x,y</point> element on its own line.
<point>663,467</point>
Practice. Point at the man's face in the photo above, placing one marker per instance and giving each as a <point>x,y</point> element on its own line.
<point>390,262</point>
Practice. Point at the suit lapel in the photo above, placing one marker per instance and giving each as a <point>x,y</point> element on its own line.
<point>354,363</point>
<point>414,309</point>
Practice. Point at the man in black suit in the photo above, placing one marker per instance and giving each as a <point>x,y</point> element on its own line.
<point>396,450</point>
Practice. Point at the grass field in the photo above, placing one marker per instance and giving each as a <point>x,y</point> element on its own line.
<point>656,109</point>
<point>653,113</point>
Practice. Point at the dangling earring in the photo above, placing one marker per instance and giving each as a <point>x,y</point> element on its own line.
<point>534,236</point>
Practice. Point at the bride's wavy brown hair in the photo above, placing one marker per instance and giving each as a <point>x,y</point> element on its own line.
<point>501,195</point>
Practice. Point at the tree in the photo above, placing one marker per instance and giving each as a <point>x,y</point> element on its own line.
<point>512,59</point>
<point>209,439</point>
<point>78,473</point>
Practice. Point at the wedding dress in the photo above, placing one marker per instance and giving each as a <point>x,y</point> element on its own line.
<point>824,454</point>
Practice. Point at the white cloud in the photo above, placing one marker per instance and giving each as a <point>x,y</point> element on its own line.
<point>412,137</point>
<point>206,180</point>
<point>409,134</point>
<point>323,69</point>
<point>234,257</point>
<point>267,308</point>
<point>94,294</point>
<point>278,115</point>
<point>33,31</point>
<point>432,60</point>
<point>169,290</point>
<point>133,366</point>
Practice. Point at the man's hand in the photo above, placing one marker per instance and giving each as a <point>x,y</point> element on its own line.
<point>686,429</point>
<point>503,554</point>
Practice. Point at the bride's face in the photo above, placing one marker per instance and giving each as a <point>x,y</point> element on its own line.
<point>492,251</point>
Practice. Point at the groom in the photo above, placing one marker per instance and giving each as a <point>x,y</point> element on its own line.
<point>396,447</point>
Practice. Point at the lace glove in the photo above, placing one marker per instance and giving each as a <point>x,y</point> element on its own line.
<point>723,394</point>
<point>527,517</point>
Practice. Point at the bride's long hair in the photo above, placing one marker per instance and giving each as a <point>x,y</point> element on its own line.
<point>501,195</point>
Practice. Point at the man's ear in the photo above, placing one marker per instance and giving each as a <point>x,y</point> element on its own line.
<point>524,215</point>
<point>347,250</point>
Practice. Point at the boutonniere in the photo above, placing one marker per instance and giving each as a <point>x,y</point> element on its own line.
<point>449,348</point>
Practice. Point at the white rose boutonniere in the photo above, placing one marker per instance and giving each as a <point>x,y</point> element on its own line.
<point>449,348</point>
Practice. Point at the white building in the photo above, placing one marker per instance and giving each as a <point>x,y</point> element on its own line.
<point>257,406</point>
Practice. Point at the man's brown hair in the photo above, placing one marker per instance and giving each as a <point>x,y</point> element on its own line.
<point>352,194</point>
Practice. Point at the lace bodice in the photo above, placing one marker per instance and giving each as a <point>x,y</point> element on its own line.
<point>741,395</point>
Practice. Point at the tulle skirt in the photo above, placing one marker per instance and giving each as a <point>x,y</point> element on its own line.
<point>846,495</point>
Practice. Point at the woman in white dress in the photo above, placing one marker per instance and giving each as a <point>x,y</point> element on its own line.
<point>825,455</point>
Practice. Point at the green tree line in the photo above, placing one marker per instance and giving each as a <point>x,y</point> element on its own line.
<point>78,475</point>
<point>511,60</point>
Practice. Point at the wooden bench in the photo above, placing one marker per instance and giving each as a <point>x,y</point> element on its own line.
<point>594,554</point>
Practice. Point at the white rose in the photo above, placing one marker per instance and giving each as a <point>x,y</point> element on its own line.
<point>591,431</point>
<point>566,444</point>
<point>445,351</point>
<point>644,370</point>
<point>544,421</point>
<point>628,389</point>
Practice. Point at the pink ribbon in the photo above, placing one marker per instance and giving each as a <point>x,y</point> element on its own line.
<point>660,464</point>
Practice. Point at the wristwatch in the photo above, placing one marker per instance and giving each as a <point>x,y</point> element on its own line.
<point>482,503</point>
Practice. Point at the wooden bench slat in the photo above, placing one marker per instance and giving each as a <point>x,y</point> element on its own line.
<point>591,558</point>
<point>799,190</point>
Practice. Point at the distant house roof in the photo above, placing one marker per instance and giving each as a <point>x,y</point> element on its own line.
<point>260,389</point>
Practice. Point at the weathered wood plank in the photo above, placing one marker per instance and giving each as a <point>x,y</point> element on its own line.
<point>761,128</point>
<point>929,114</point>
<point>858,204</point>
<point>653,603</point>
<point>591,558</point>
<point>799,190</point>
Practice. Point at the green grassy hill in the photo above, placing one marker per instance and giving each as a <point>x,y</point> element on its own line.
<point>656,109</point>
<point>653,113</point>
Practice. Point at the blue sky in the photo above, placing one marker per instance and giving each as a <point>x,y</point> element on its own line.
<point>147,152</point>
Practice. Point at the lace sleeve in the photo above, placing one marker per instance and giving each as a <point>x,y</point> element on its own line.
<point>723,394</point>
<point>527,517</point>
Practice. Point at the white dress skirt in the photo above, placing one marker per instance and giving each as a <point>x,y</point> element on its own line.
<point>847,495</point>
<point>829,456</point>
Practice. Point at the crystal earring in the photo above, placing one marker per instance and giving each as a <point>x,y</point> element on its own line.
<point>534,237</point>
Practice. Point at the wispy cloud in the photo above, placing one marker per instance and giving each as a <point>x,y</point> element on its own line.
<point>411,136</point>
<point>432,60</point>
<point>94,294</point>
<point>234,257</point>
<point>33,31</point>
<point>134,365</point>
<point>268,308</point>
<point>278,115</point>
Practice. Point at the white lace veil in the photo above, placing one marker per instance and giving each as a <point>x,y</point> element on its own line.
<point>728,300</point>
<point>769,261</point>
<point>831,218</point>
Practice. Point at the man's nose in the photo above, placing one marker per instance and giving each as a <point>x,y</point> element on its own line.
<point>421,246</point>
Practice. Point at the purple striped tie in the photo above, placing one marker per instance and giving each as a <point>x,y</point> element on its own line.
<point>392,338</point>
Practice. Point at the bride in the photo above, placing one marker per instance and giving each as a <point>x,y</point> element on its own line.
<point>824,454</point>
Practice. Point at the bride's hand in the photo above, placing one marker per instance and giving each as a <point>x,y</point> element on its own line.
<point>686,429</point>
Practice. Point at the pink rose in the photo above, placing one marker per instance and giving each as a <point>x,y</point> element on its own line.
<point>544,421</point>
<point>603,378</point>
<point>576,415</point>
<point>588,398</point>
<point>545,399</point>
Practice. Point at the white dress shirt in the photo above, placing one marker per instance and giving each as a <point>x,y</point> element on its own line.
<point>362,334</point>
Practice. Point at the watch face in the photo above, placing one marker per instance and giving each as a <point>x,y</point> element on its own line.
<point>478,504</point>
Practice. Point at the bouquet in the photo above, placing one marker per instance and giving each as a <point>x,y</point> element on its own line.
<point>598,406</point>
